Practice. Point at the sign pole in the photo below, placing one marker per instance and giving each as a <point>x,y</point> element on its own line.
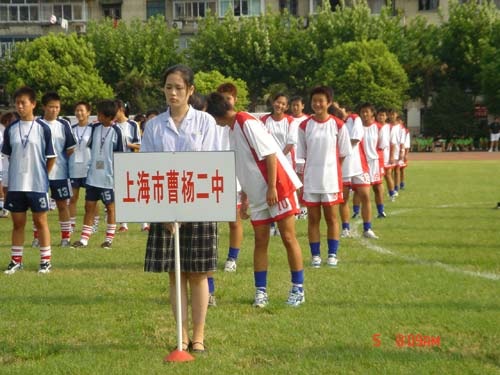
<point>178,355</point>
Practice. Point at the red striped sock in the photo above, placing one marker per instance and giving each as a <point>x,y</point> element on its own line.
<point>45,254</point>
<point>17,253</point>
<point>65,229</point>
<point>35,231</point>
<point>86,233</point>
<point>110,232</point>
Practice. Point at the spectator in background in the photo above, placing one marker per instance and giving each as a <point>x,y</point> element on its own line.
<point>494,134</point>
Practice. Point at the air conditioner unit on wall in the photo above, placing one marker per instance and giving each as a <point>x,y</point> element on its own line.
<point>177,25</point>
<point>80,28</point>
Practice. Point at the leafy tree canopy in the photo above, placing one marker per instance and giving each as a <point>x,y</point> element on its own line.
<point>58,62</point>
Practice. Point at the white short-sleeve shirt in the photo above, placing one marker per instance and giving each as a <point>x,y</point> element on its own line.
<point>284,132</point>
<point>64,141</point>
<point>28,145</point>
<point>79,161</point>
<point>355,163</point>
<point>252,144</point>
<point>322,144</point>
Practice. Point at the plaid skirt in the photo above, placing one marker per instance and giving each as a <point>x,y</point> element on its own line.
<point>198,248</point>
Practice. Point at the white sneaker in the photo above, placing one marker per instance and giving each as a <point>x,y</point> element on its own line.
<point>230,265</point>
<point>65,243</point>
<point>332,261</point>
<point>4,213</point>
<point>392,198</point>
<point>316,261</point>
<point>369,234</point>
<point>45,267</point>
<point>35,243</point>
<point>13,267</point>
<point>346,233</point>
<point>261,299</point>
<point>396,194</point>
<point>274,231</point>
<point>295,297</point>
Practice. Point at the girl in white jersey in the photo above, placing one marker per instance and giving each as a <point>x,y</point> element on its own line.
<point>324,143</point>
<point>283,129</point>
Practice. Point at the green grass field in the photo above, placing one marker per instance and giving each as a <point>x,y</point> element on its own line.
<point>435,271</point>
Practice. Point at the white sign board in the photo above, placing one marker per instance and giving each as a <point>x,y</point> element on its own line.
<point>175,186</point>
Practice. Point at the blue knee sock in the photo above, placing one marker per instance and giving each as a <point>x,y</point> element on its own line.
<point>298,279</point>
<point>314,248</point>
<point>391,193</point>
<point>333,246</point>
<point>367,225</point>
<point>260,278</point>
<point>396,187</point>
<point>380,208</point>
<point>233,253</point>
<point>355,209</point>
<point>211,285</point>
<point>346,226</point>
<point>402,185</point>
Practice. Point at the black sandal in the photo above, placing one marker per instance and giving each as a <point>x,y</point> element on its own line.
<point>199,351</point>
<point>186,347</point>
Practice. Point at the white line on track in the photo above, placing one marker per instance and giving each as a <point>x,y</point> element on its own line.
<point>449,268</point>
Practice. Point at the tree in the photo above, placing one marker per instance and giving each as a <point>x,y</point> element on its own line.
<point>58,62</point>
<point>207,83</point>
<point>463,36</point>
<point>451,114</point>
<point>135,53</point>
<point>260,50</point>
<point>490,71</point>
<point>364,72</point>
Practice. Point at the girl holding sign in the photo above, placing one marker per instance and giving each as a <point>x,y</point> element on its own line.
<point>182,128</point>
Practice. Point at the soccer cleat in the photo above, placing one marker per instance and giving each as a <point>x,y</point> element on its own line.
<point>13,267</point>
<point>52,204</point>
<point>392,198</point>
<point>346,233</point>
<point>45,267</point>
<point>369,234</point>
<point>211,300</point>
<point>498,205</point>
<point>35,243</point>
<point>261,299</point>
<point>396,194</point>
<point>4,213</point>
<point>230,265</point>
<point>316,261</point>
<point>65,242</point>
<point>355,215</point>
<point>106,245</point>
<point>381,215</point>
<point>123,229</point>
<point>332,261</point>
<point>295,297</point>
<point>145,228</point>
<point>95,228</point>
<point>78,245</point>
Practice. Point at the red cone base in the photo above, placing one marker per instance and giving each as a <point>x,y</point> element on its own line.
<point>179,356</point>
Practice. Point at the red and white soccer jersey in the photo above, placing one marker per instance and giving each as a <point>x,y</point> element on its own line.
<point>355,167</point>
<point>373,156</point>
<point>384,143</point>
<point>396,141</point>
<point>406,145</point>
<point>283,132</point>
<point>299,162</point>
<point>322,143</point>
<point>252,143</point>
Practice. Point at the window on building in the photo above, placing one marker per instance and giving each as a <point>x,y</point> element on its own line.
<point>36,11</point>
<point>240,7</point>
<point>376,5</point>
<point>428,4</point>
<point>112,11</point>
<point>290,5</point>
<point>154,7</point>
<point>193,9</point>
